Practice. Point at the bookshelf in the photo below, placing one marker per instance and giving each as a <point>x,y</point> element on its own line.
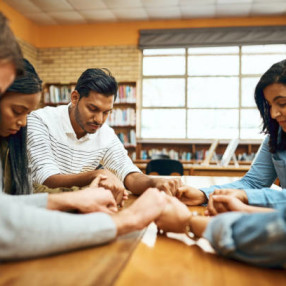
<point>57,93</point>
<point>194,151</point>
<point>192,154</point>
<point>123,116</point>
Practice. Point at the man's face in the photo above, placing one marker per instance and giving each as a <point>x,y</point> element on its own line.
<point>90,112</point>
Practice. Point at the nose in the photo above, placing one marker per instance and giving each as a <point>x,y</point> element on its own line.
<point>275,112</point>
<point>98,118</point>
<point>22,121</point>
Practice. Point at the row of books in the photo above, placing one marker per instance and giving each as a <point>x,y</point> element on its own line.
<point>58,94</point>
<point>172,154</point>
<point>122,117</point>
<point>126,94</point>
<point>246,157</point>
<point>127,138</point>
<point>201,154</point>
<point>186,156</point>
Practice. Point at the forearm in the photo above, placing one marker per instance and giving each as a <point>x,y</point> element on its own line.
<point>250,237</point>
<point>60,202</point>
<point>36,200</point>
<point>28,231</point>
<point>70,180</point>
<point>198,224</point>
<point>252,209</point>
<point>266,197</point>
<point>125,222</point>
<point>137,183</point>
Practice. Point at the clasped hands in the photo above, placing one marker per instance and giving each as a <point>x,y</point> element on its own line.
<point>220,201</point>
<point>170,214</point>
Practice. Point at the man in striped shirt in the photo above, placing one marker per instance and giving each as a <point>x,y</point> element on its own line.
<point>66,144</point>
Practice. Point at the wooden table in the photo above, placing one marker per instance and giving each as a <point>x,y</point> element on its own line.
<point>142,258</point>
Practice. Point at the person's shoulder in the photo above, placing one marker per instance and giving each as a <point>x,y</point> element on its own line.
<point>105,129</point>
<point>266,139</point>
<point>48,112</point>
<point>105,136</point>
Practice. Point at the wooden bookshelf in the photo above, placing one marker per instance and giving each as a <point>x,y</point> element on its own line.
<point>57,93</point>
<point>194,151</point>
<point>123,116</point>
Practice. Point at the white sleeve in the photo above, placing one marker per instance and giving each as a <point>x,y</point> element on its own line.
<point>28,231</point>
<point>117,160</point>
<point>41,158</point>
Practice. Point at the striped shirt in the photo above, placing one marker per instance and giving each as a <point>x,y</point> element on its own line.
<point>53,147</point>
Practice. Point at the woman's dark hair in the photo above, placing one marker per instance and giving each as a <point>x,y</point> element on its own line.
<point>275,74</point>
<point>98,80</point>
<point>28,83</point>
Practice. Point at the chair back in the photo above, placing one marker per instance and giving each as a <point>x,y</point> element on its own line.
<point>165,167</point>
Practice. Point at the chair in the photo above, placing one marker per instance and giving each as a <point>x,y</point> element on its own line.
<point>165,167</point>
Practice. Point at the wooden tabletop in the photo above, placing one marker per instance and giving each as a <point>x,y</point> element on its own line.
<point>142,258</point>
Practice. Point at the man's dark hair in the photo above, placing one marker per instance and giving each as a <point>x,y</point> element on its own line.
<point>10,50</point>
<point>98,80</point>
<point>28,83</point>
<point>275,74</point>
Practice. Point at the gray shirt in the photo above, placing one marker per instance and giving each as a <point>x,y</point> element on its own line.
<point>29,230</point>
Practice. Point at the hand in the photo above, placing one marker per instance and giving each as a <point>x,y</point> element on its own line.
<point>93,200</point>
<point>234,204</point>
<point>175,216</point>
<point>141,213</point>
<point>214,207</point>
<point>230,203</point>
<point>191,196</point>
<point>169,186</point>
<point>111,182</point>
<point>88,200</point>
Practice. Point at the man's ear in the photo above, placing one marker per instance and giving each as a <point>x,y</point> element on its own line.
<point>75,97</point>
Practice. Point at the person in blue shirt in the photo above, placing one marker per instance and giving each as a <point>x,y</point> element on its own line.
<point>270,162</point>
<point>255,235</point>
<point>252,234</point>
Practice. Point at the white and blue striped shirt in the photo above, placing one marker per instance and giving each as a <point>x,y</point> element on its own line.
<point>53,147</point>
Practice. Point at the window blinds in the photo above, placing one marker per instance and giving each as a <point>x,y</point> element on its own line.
<point>226,36</point>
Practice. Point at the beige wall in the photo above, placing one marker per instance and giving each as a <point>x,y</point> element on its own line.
<point>65,65</point>
<point>30,53</point>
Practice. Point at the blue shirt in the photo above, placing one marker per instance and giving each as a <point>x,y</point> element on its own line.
<point>265,169</point>
<point>258,239</point>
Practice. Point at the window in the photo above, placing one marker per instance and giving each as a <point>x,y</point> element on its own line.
<point>204,93</point>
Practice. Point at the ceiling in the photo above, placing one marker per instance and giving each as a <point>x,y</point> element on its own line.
<point>64,12</point>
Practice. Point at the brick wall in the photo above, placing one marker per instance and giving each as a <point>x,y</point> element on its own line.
<point>29,52</point>
<point>65,65</point>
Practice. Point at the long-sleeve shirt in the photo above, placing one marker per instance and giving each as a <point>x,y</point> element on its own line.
<point>258,239</point>
<point>53,147</point>
<point>256,183</point>
<point>29,230</point>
